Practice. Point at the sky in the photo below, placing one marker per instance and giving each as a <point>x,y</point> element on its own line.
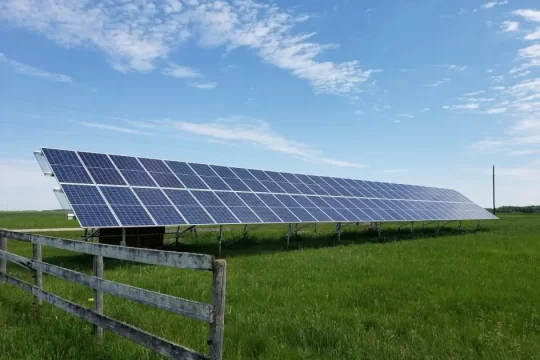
<point>417,92</point>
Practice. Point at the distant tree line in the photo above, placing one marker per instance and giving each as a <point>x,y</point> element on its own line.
<point>533,209</point>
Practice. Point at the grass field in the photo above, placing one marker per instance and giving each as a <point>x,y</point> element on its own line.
<point>447,295</point>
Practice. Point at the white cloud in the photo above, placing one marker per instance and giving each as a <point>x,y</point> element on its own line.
<point>531,55</point>
<point>441,82</point>
<point>32,71</point>
<point>528,14</point>
<point>510,26</point>
<point>137,36</point>
<point>496,111</point>
<point>522,138</point>
<point>492,4</point>
<point>498,78</point>
<point>256,132</point>
<point>406,116</point>
<point>396,122</point>
<point>475,93</point>
<point>358,112</point>
<point>113,128</point>
<point>455,67</point>
<point>466,107</point>
<point>523,74</point>
<point>181,72</point>
<point>205,86</point>
<point>425,110</point>
<point>480,100</point>
<point>533,36</point>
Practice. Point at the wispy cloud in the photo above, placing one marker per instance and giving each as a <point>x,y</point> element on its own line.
<point>475,93</point>
<point>405,115</point>
<point>32,71</point>
<point>181,72</point>
<point>528,14</point>
<point>533,36</point>
<point>137,37</point>
<point>454,67</point>
<point>522,138</point>
<point>441,82</point>
<point>462,107</point>
<point>510,26</point>
<point>205,86</point>
<point>496,111</point>
<point>236,130</point>
<point>113,128</point>
<point>256,132</point>
<point>492,4</point>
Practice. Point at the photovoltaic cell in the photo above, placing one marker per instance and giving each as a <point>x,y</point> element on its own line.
<point>103,189</point>
<point>90,216</point>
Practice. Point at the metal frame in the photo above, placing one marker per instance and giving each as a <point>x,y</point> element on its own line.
<point>42,158</point>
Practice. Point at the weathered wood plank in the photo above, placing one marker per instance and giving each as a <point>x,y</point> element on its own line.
<point>188,308</point>
<point>3,262</point>
<point>16,282</point>
<point>154,343</point>
<point>98,294</point>
<point>192,309</point>
<point>38,275</point>
<point>16,259</point>
<point>147,256</point>
<point>218,303</point>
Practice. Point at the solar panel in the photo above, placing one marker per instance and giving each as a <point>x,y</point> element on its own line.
<point>123,191</point>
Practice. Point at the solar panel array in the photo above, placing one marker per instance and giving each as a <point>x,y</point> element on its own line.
<point>121,191</point>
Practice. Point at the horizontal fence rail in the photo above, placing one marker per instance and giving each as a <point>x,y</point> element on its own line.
<point>213,314</point>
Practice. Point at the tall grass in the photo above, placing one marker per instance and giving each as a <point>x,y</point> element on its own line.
<point>427,295</point>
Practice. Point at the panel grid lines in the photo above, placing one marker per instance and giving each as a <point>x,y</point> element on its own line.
<point>118,191</point>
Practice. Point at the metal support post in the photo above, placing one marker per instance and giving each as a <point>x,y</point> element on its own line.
<point>438,226</point>
<point>3,262</point>
<point>316,230</point>
<point>460,227</point>
<point>98,295</point>
<point>296,230</point>
<point>412,227</point>
<point>423,225</point>
<point>123,243</point>
<point>177,236</point>
<point>289,235</point>
<point>338,232</point>
<point>220,239</point>
<point>379,230</point>
<point>244,235</point>
<point>38,275</point>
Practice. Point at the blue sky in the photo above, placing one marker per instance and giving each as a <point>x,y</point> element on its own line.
<point>422,92</point>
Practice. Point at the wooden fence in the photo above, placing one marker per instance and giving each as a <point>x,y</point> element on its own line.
<point>213,313</point>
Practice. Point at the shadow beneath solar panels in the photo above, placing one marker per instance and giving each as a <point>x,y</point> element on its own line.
<point>273,240</point>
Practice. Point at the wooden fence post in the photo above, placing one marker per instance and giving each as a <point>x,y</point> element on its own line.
<point>3,262</point>
<point>218,303</point>
<point>98,295</point>
<point>38,275</point>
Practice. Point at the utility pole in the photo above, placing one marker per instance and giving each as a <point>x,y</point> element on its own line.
<point>493,189</point>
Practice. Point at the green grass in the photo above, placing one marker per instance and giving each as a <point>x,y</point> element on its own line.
<point>447,295</point>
